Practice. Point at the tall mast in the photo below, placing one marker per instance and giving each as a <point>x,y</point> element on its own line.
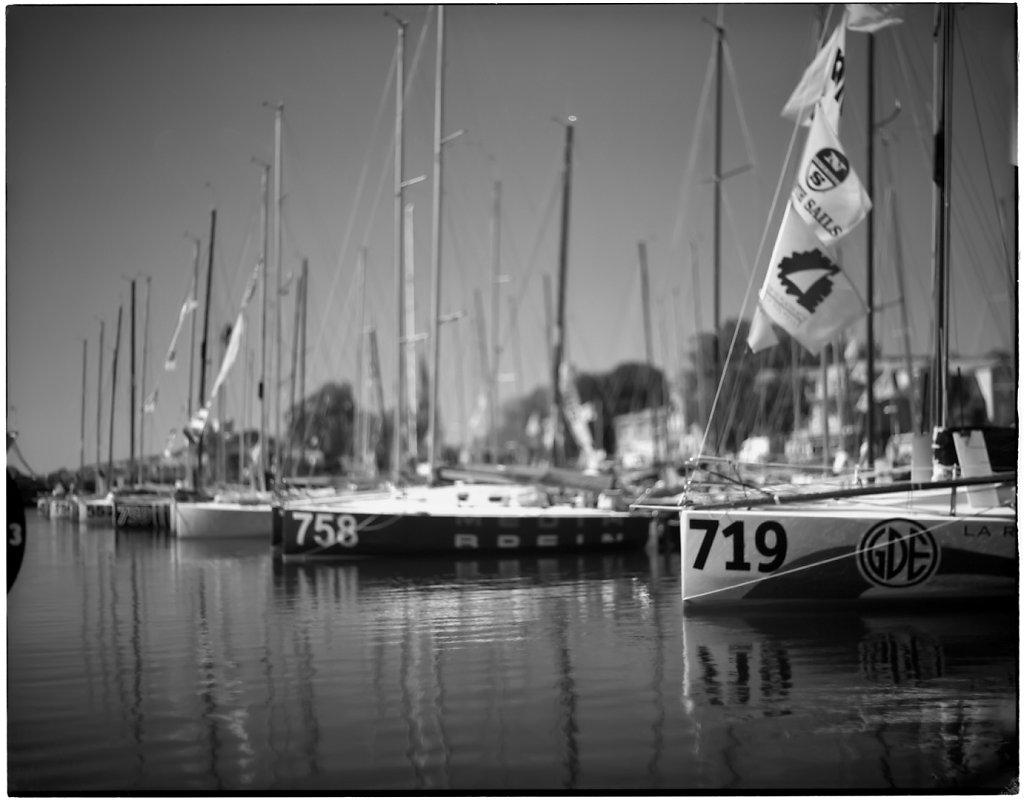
<point>941,177</point>
<point>142,392</point>
<point>113,401</point>
<point>192,337</point>
<point>869,418</point>
<point>717,224</point>
<point>261,463</point>
<point>81,441</point>
<point>359,440</point>
<point>198,468</point>
<point>434,423</point>
<point>296,311</point>
<point>645,296</point>
<point>99,406</point>
<point>302,355</point>
<point>411,402</point>
<point>558,347</point>
<point>495,314</point>
<point>278,267</point>
<point>396,439</point>
<point>131,396</point>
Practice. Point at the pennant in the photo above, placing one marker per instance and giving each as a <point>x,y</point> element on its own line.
<point>828,195</point>
<point>573,410</point>
<point>190,304</point>
<point>250,286</point>
<point>149,404</point>
<point>761,335</point>
<point>234,344</point>
<point>872,17</point>
<point>823,81</point>
<point>804,291</point>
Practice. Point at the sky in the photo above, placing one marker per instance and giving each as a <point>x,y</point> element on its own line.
<point>128,124</point>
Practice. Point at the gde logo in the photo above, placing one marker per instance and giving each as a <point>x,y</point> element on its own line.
<point>897,553</point>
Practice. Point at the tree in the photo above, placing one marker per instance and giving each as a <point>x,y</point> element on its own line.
<point>325,421</point>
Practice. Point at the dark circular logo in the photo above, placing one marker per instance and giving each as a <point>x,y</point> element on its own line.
<point>897,554</point>
<point>827,169</point>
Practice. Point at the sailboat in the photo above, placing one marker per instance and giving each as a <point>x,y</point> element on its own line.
<point>950,538</point>
<point>498,517</point>
<point>246,514</point>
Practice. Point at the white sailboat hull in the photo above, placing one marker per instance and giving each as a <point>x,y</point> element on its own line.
<point>221,520</point>
<point>863,552</point>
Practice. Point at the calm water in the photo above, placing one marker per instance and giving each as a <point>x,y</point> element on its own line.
<point>138,663</point>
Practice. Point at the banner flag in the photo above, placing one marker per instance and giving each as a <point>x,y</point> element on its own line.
<point>872,17</point>
<point>190,304</point>
<point>573,410</point>
<point>823,81</point>
<point>761,335</point>
<point>804,291</point>
<point>828,195</point>
<point>234,344</point>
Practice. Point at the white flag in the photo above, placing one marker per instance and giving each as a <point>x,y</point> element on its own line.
<point>189,305</point>
<point>234,344</point>
<point>823,81</point>
<point>828,194</point>
<point>573,410</point>
<point>761,335</point>
<point>149,404</point>
<point>805,292</point>
<point>871,17</point>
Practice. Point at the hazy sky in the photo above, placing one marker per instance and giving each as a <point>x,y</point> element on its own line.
<point>127,124</point>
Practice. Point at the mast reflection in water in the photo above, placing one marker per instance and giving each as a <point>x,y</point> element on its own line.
<point>142,663</point>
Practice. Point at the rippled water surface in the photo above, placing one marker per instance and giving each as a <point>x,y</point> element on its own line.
<point>143,663</point>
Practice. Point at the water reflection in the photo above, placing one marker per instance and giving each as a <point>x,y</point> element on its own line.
<point>880,701</point>
<point>140,663</point>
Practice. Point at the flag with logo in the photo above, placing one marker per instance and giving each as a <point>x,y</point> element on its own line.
<point>170,364</point>
<point>804,291</point>
<point>823,81</point>
<point>828,195</point>
<point>872,17</point>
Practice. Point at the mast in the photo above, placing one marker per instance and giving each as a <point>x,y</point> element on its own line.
<point>412,443</point>
<point>99,407</point>
<point>142,392</point>
<point>278,206</point>
<point>396,443</point>
<point>648,345</point>
<point>869,419</point>
<point>81,441</point>
<point>717,222</point>
<point>296,311</point>
<point>557,447</point>
<point>495,314</point>
<point>359,440</point>
<point>942,98</point>
<point>481,331</point>
<point>434,423</point>
<point>261,461</point>
<point>113,401</point>
<point>198,467</point>
<point>302,355</point>
<point>192,338</point>
<point>131,396</point>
